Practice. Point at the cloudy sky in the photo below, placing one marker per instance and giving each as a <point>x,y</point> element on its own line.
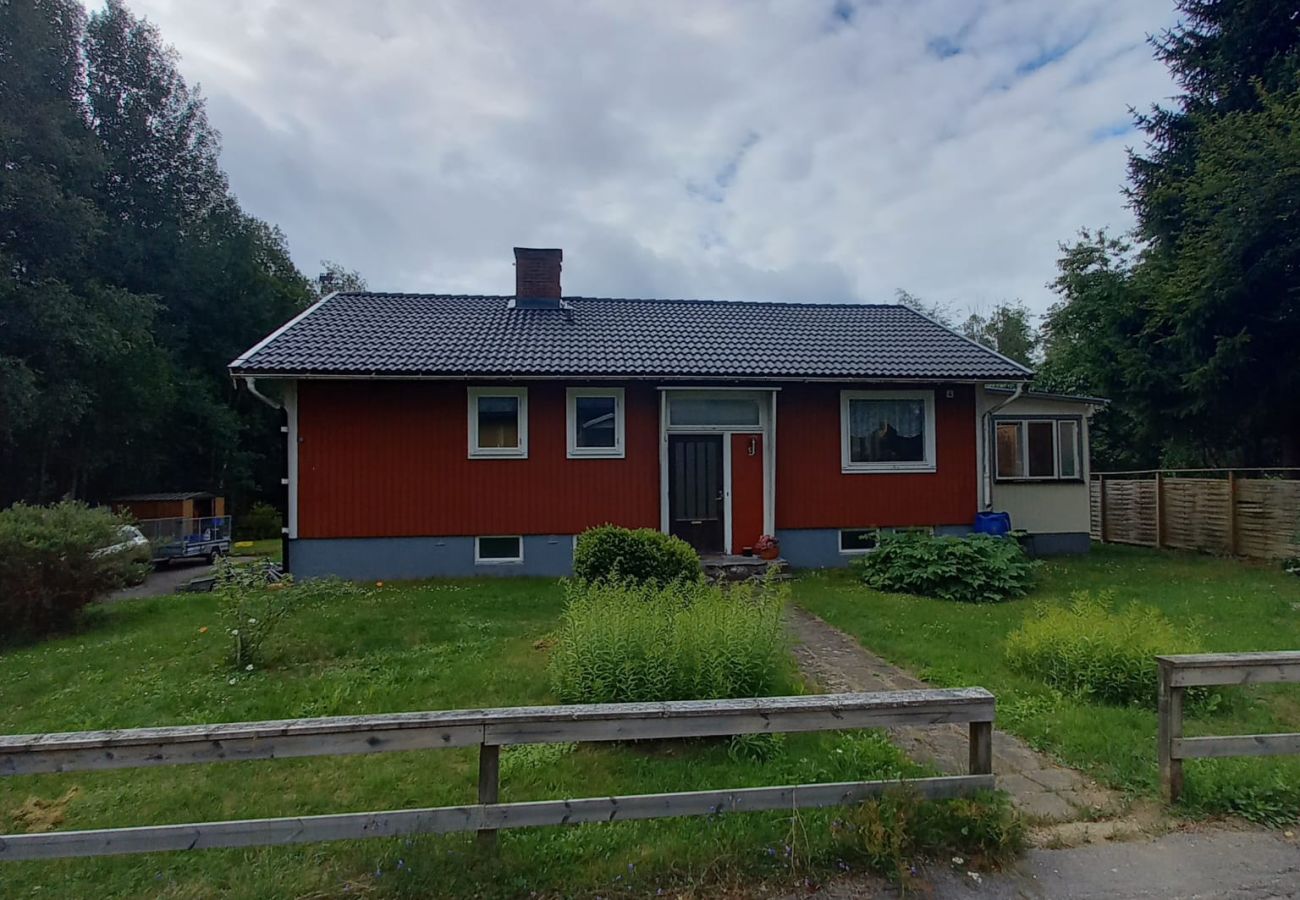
<point>809,149</point>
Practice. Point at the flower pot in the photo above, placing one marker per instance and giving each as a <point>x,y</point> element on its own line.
<point>769,553</point>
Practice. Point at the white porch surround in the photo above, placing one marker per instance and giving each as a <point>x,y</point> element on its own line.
<point>766,399</point>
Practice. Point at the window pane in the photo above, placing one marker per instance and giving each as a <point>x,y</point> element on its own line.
<point>1010,465</point>
<point>498,422</point>
<point>594,420</point>
<point>1069,444</point>
<point>1042,452</point>
<point>498,548</point>
<point>858,539</point>
<point>715,411</point>
<point>887,431</point>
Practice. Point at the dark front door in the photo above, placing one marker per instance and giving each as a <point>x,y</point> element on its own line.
<point>695,505</point>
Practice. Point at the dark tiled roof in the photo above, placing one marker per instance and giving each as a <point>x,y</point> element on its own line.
<point>425,334</point>
<point>166,495</point>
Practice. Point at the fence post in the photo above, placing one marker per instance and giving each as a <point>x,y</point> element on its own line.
<point>1232,513</point>
<point>1170,703</point>
<point>489,782</point>
<point>981,748</point>
<point>1160,517</point>
<point>1101,506</point>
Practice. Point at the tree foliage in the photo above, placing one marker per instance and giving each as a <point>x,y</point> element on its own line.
<point>129,274</point>
<point>1192,329</point>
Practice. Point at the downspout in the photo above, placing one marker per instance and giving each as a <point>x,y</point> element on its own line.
<point>986,477</point>
<point>251,383</point>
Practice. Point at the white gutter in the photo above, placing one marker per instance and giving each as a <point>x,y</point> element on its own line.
<point>986,477</point>
<point>251,383</point>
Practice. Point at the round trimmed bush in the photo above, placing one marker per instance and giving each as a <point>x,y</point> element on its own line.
<point>611,553</point>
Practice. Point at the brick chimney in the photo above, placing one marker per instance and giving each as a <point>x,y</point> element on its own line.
<point>537,277</point>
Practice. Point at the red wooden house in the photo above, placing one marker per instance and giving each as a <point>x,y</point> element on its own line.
<point>452,435</point>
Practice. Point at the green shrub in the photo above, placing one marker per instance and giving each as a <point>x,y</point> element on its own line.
<point>625,642</point>
<point>1088,648</point>
<point>262,522</point>
<point>611,553</point>
<point>49,569</point>
<point>977,568</point>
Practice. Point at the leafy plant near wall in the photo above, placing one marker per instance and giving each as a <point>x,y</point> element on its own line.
<point>1089,648</point>
<point>627,642</point>
<point>977,568</point>
<point>611,553</point>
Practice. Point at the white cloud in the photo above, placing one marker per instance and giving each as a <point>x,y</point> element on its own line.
<point>691,148</point>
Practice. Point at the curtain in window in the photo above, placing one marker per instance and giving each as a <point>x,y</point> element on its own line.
<point>498,422</point>
<point>887,430</point>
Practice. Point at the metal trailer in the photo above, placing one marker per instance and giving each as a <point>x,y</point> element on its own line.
<point>205,537</point>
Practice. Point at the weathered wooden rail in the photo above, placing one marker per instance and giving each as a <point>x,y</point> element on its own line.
<point>490,730</point>
<point>1178,673</point>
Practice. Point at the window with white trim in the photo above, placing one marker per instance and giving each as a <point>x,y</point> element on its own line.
<point>1038,449</point>
<point>594,421</point>
<point>498,422</point>
<point>887,431</point>
<point>498,550</point>
<point>864,540</point>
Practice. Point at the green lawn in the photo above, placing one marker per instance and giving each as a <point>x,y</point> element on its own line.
<point>270,547</point>
<point>1237,606</point>
<point>401,647</point>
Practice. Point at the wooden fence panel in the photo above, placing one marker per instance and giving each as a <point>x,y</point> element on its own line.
<point>1268,518</point>
<point>1131,511</point>
<point>1194,514</point>
<point>1256,517</point>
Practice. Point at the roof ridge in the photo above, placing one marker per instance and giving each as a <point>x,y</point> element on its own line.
<point>704,301</point>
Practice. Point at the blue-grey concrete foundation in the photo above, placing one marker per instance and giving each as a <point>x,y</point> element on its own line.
<point>819,548</point>
<point>367,559</point>
<point>1058,544</point>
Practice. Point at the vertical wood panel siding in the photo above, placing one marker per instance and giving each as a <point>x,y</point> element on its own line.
<point>812,492</point>
<point>746,491</point>
<point>389,459</point>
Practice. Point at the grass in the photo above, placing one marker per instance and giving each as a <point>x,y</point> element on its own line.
<point>269,547</point>
<point>1236,606</point>
<point>435,645</point>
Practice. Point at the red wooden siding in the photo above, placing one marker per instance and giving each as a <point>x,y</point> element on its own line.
<point>812,492</point>
<point>389,458</point>
<point>746,490</point>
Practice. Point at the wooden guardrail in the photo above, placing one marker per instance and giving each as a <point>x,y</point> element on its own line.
<point>1177,673</point>
<point>490,730</point>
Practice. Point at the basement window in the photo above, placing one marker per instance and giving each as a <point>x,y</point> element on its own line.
<point>1038,449</point>
<point>498,550</point>
<point>498,422</point>
<point>857,540</point>
<point>594,421</point>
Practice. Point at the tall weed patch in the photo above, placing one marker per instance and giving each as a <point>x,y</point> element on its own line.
<point>976,568</point>
<point>628,642</point>
<point>1089,648</point>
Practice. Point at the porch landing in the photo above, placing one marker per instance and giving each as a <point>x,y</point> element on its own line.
<point>730,567</point>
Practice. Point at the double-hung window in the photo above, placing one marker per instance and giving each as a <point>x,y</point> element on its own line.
<point>498,422</point>
<point>1038,449</point>
<point>887,431</point>
<point>594,422</point>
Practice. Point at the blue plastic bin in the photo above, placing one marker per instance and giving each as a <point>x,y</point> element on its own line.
<point>994,523</point>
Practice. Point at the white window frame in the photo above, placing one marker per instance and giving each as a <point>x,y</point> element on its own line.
<point>1055,421</point>
<point>480,560</point>
<point>855,551</point>
<point>571,423</point>
<point>849,467</point>
<point>477,452</point>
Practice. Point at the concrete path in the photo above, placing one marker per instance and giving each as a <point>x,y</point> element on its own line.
<point>1189,865</point>
<point>1044,790</point>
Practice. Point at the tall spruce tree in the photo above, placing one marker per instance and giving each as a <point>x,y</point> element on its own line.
<point>1204,320</point>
